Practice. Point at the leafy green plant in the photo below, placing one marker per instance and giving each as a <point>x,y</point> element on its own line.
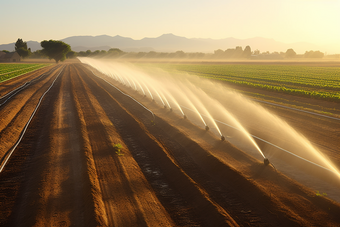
<point>319,194</point>
<point>118,148</point>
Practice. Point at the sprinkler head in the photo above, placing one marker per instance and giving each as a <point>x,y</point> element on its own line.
<point>266,161</point>
<point>184,116</point>
<point>170,109</point>
<point>153,100</point>
<point>222,138</point>
<point>206,128</point>
<point>164,106</point>
<point>144,96</point>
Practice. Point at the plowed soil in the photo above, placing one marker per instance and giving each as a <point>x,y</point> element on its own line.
<point>69,171</point>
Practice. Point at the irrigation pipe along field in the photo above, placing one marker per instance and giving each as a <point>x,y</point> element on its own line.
<point>107,144</point>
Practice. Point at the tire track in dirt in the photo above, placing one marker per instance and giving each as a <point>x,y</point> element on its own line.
<point>128,198</point>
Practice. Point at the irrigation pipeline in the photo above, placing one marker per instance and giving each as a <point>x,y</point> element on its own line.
<point>280,148</point>
<point>12,93</point>
<point>153,115</point>
<point>9,153</point>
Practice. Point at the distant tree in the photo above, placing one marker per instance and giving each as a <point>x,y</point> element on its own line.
<point>256,52</point>
<point>88,52</point>
<point>247,52</point>
<point>6,51</point>
<point>54,49</point>
<point>180,54</point>
<point>82,54</point>
<point>71,54</point>
<point>290,53</point>
<point>95,53</point>
<point>115,52</point>
<point>140,55</point>
<point>314,54</point>
<point>151,54</point>
<point>238,52</point>
<point>21,48</point>
<point>218,53</point>
<point>37,54</point>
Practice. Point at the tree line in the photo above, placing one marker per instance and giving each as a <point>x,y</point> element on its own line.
<point>59,51</point>
<point>52,49</point>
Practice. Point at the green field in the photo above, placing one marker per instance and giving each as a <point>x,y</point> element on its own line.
<point>8,71</point>
<point>311,81</point>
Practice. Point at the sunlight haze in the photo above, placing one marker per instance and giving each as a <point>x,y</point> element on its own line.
<point>290,21</point>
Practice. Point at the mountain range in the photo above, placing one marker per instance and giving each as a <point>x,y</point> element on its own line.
<point>172,43</point>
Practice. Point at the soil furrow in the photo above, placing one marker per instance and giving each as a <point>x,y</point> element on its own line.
<point>125,190</point>
<point>262,188</point>
<point>94,157</point>
<point>209,211</point>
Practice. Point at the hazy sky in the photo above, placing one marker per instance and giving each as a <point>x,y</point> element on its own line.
<point>314,21</point>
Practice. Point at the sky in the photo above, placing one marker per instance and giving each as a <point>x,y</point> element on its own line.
<point>288,21</point>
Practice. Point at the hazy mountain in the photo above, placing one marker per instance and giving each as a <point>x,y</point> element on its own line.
<point>34,45</point>
<point>172,43</point>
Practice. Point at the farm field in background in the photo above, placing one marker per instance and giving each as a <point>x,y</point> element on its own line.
<point>8,71</point>
<point>310,81</point>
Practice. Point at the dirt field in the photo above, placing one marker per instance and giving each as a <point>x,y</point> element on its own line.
<point>67,172</point>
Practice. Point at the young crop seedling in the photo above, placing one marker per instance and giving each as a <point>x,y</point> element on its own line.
<point>118,147</point>
<point>319,194</point>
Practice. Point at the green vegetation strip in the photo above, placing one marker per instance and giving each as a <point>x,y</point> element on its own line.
<point>312,81</point>
<point>8,71</point>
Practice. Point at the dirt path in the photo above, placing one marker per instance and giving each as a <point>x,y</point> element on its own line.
<point>169,172</point>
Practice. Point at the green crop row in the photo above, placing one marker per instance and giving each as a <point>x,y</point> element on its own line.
<point>8,71</point>
<point>319,77</point>
<point>312,81</point>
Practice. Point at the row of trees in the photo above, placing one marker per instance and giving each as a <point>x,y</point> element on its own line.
<point>59,51</point>
<point>52,49</point>
<point>236,53</point>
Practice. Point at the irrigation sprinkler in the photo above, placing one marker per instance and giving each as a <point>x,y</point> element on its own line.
<point>164,106</point>
<point>206,128</point>
<point>185,116</point>
<point>170,109</point>
<point>222,138</point>
<point>266,161</point>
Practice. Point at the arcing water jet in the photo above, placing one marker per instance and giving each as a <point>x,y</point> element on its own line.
<point>248,114</point>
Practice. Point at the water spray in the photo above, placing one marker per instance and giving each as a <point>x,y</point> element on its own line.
<point>160,98</point>
<point>149,92</point>
<point>166,101</point>
<point>141,88</point>
<point>119,75</point>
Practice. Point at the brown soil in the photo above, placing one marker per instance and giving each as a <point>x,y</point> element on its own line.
<point>169,172</point>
